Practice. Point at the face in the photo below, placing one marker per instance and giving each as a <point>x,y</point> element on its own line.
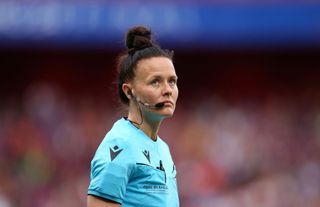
<point>156,82</point>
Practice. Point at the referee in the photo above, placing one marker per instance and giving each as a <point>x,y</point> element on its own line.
<point>132,166</point>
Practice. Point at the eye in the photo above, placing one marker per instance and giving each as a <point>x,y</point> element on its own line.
<point>155,82</point>
<point>173,81</point>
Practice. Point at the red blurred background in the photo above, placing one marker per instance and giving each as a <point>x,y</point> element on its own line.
<point>246,129</point>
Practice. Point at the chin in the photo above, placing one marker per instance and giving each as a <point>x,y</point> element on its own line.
<point>164,113</point>
<point>167,114</point>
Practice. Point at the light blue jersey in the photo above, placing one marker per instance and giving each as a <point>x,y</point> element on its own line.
<point>133,170</point>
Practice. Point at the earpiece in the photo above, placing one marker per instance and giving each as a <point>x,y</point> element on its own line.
<point>130,94</point>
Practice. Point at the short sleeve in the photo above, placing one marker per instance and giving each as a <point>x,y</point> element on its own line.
<point>110,171</point>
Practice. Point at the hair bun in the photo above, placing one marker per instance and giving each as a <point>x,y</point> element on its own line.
<point>138,38</point>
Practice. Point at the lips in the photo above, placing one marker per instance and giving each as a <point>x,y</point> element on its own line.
<point>168,103</point>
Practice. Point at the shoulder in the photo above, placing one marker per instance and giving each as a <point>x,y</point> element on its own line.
<point>118,144</point>
<point>163,144</point>
<point>114,149</point>
<point>164,147</point>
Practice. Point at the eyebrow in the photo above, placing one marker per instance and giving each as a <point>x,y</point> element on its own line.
<point>159,76</point>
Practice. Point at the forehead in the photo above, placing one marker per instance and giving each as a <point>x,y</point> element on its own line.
<point>155,66</point>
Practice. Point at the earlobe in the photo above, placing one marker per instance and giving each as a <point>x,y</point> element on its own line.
<point>126,88</point>
<point>129,94</point>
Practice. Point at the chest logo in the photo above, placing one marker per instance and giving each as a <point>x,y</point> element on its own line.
<point>114,152</point>
<point>147,155</point>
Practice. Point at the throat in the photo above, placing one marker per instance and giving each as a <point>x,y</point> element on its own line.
<point>148,122</point>
<point>149,129</point>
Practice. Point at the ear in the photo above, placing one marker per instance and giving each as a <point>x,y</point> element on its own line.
<point>127,89</point>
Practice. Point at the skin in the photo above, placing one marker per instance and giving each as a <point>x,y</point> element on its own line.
<point>155,82</point>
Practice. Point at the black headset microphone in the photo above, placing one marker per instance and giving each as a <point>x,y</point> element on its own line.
<point>137,99</point>
<point>155,106</point>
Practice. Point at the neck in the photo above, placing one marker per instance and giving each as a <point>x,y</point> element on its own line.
<point>149,126</point>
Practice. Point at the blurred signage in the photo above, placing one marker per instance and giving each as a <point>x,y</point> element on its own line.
<point>180,25</point>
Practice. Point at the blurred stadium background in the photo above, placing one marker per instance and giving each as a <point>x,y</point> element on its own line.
<point>247,127</point>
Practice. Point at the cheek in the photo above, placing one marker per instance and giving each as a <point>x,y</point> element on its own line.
<point>150,95</point>
<point>176,93</point>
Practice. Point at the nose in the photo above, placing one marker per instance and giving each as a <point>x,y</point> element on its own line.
<point>167,89</point>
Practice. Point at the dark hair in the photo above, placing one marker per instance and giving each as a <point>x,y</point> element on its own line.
<point>139,46</point>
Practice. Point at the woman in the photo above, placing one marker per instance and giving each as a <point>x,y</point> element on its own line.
<point>133,165</point>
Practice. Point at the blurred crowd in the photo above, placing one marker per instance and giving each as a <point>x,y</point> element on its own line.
<point>250,153</point>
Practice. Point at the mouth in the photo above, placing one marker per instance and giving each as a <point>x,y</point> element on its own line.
<point>168,103</point>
